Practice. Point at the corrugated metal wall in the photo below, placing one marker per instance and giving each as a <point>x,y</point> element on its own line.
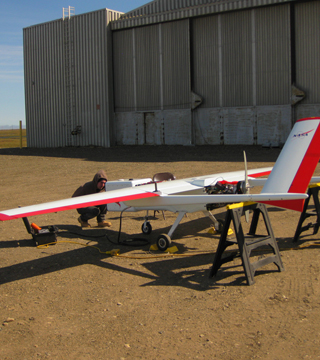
<point>68,80</point>
<point>175,65</point>
<point>151,67</point>
<point>307,22</point>
<point>124,65</point>
<point>169,10</point>
<point>44,85</point>
<point>147,67</point>
<point>242,64</point>
<point>237,62</point>
<point>161,6</point>
<point>254,51</point>
<point>307,56</point>
<point>90,79</point>
<point>273,54</point>
<point>151,70</point>
<point>206,60</point>
<point>236,59</point>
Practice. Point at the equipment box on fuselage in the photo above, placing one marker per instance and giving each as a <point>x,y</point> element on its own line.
<point>122,184</point>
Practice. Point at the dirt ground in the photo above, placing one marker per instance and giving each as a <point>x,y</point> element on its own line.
<point>74,301</point>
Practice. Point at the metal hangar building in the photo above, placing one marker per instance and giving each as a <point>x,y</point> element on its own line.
<point>173,72</point>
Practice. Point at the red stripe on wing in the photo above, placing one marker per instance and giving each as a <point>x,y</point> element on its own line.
<point>4,217</point>
<point>264,173</point>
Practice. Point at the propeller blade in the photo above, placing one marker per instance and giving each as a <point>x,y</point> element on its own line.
<point>246,182</point>
<point>246,187</point>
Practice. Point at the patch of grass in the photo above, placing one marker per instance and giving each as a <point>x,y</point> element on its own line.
<point>11,138</point>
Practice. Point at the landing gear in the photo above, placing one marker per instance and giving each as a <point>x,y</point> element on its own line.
<point>221,225</point>
<point>217,223</point>
<point>163,242</point>
<point>146,228</point>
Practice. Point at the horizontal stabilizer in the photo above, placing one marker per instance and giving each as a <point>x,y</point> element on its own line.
<point>315,179</point>
<point>262,181</point>
<point>178,200</point>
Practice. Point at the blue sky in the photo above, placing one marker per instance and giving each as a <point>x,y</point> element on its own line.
<point>18,14</point>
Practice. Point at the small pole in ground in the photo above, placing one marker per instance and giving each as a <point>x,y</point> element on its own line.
<point>20,123</point>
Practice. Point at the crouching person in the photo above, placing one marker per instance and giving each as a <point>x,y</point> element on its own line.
<point>92,187</point>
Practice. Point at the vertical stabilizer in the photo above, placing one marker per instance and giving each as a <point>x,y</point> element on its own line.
<point>296,163</point>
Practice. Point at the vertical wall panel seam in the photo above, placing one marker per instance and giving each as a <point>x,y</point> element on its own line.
<point>254,61</point>
<point>134,69</point>
<point>220,62</point>
<point>161,66</point>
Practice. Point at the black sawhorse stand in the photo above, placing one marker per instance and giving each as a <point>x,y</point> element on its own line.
<point>313,192</point>
<point>247,243</point>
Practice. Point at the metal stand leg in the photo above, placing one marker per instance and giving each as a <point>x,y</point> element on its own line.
<point>313,192</point>
<point>249,243</point>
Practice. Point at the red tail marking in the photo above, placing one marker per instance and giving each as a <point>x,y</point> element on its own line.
<point>303,176</point>
<point>306,169</point>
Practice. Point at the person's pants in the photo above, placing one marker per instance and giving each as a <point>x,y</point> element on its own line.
<point>93,211</point>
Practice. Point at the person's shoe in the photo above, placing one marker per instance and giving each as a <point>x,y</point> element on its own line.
<point>84,224</point>
<point>104,224</point>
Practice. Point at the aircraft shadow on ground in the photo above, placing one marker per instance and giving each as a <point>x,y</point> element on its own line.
<point>88,255</point>
<point>165,272</point>
<point>191,271</point>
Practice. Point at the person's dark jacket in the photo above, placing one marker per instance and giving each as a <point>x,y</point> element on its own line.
<point>91,186</point>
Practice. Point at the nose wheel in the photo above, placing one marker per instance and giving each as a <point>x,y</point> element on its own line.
<point>163,242</point>
<point>146,228</point>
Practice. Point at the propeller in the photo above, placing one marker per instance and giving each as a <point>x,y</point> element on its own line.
<point>245,184</point>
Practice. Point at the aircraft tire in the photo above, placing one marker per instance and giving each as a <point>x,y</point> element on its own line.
<point>163,242</point>
<point>146,228</point>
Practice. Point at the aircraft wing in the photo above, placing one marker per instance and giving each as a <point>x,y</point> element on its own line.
<point>130,195</point>
<point>77,202</point>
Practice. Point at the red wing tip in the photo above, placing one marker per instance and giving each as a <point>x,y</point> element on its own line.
<point>5,217</point>
<point>296,205</point>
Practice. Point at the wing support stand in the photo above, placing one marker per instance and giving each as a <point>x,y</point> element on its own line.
<point>249,243</point>
<point>313,192</point>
